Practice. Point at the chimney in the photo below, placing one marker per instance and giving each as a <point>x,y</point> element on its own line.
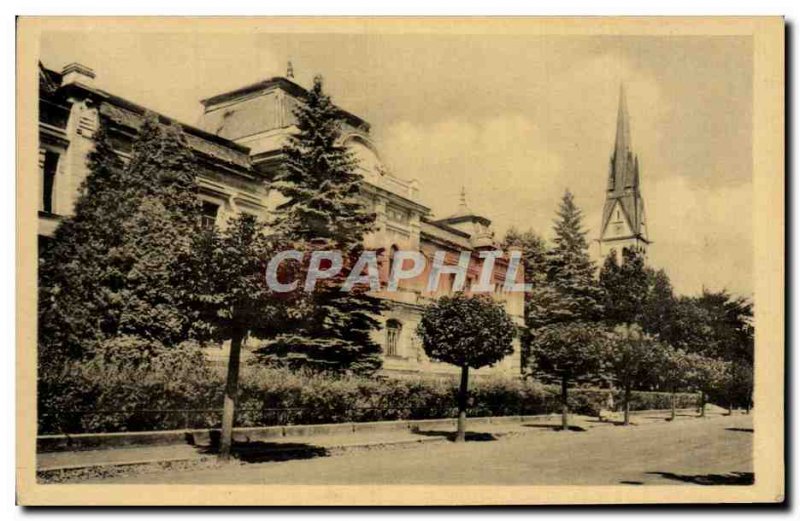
<point>77,73</point>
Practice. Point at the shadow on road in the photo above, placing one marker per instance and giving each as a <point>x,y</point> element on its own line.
<point>733,478</point>
<point>738,429</point>
<point>451,436</point>
<point>261,451</point>
<point>626,482</point>
<point>551,427</point>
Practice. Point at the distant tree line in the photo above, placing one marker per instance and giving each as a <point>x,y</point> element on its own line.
<point>624,326</point>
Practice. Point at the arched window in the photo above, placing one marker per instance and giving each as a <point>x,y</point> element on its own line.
<point>393,328</point>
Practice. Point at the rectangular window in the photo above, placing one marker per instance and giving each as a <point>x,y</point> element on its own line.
<point>392,337</point>
<point>48,180</point>
<point>208,216</point>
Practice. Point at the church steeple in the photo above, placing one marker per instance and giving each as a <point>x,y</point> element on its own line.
<point>622,144</point>
<point>620,174</point>
<point>623,223</point>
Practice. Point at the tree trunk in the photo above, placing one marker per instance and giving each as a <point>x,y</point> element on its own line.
<point>627,419</point>
<point>231,390</point>
<point>564,405</point>
<point>702,404</point>
<point>672,405</point>
<point>463,396</point>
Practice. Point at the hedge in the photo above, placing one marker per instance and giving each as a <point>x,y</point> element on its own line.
<point>176,391</point>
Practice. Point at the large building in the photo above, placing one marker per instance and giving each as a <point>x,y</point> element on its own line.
<point>624,224</point>
<point>238,141</point>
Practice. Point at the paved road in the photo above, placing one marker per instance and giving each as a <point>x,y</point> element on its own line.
<point>715,450</point>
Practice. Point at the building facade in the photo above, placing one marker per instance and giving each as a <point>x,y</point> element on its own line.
<point>624,224</point>
<point>238,141</point>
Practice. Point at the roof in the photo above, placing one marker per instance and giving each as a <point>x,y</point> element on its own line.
<point>464,214</point>
<point>49,80</point>
<point>129,114</point>
<point>250,116</point>
<point>445,233</point>
<point>632,208</point>
<point>270,84</point>
<point>229,152</point>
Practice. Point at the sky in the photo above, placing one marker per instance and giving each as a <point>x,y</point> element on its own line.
<point>514,119</point>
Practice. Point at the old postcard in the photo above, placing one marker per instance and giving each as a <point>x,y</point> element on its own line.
<point>405,261</point>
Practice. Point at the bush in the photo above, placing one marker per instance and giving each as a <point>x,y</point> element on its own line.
<point>130,386</point>
<point>643,401</point>
<point>590,402</point>
<point>136,392</point>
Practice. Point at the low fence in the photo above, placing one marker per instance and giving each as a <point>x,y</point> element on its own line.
<point>93,421</point>
<point>204,437</point>
<point>172,419</point>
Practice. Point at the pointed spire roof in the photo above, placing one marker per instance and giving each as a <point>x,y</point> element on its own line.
<point>464,212</point>
<point>622,144</point>
<point>623,178</point>
<point>463,209</point>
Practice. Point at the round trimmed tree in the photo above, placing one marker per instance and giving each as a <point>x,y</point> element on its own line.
<point>708,376</point>
<point>674,367</point>
<point>631,356</point>
<point>568,352</point>
<point>466,331</point>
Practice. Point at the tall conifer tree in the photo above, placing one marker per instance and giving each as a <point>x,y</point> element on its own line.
<point>563,312</point>
<point>571,291</point>
<point>71,263</point>
<point>110,272</point>
<point>323,211</point>
<point>534,258</point>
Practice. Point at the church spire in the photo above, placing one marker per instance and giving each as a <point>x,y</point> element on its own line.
<point>623,142</point>
<point>623,223</point>
<point>620,175</point>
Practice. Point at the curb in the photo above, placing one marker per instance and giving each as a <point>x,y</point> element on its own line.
<point>331,450</point>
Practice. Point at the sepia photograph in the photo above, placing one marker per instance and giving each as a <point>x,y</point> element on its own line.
<point>400,261</point>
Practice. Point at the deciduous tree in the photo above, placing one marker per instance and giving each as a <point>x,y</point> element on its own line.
<point>534,257</point>
<point>568,352</point>
<point>466,331</point>
<point>658,311</point>
<point>673,369</point>
<point>625,287</point>
<point>708,375</point>
<point>232,300</point>
<point>630,356</point>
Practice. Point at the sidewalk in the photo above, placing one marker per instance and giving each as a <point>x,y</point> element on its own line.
<point>301,446</point>
<point>309,446</point>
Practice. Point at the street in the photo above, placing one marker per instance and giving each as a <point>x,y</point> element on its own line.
<point>714,450</point>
